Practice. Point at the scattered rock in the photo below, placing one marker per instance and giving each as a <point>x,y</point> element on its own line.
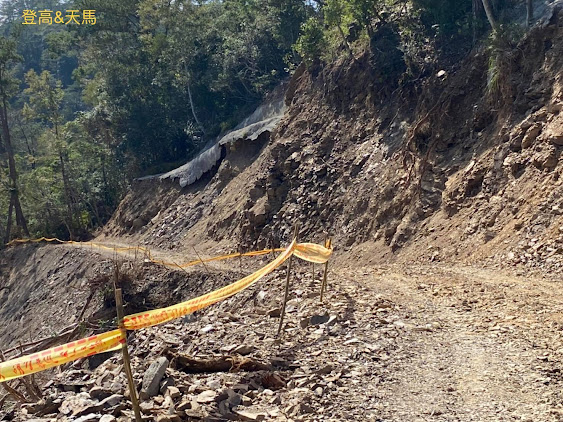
<point>207,396</point>
<point>274,313</point>
<point>244,349</point>
<point>319,319</point>
<point>173,392</point>
<point>153,376</point>
<point>100,393</point>
<point>531,135</point>
<point>247,415</point>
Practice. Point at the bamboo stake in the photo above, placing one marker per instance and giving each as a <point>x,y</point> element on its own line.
<point>328,242</point>
<point>201,260</point>
<point>125,351</point>
<point>240,257</point>
<point>313,272</point>
<point>295,235</point>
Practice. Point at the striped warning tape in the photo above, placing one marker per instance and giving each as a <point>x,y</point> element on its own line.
<point>59,355</point>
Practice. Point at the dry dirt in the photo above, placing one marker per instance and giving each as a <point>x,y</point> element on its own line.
<point>405,343</point>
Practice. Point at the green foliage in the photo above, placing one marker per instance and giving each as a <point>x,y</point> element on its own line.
<point>92,106</point>
<point>45,98</point>
<point>500,47</point>
<point>8,57</point>
<point>312,42</point>
<point>146,86</point>
<point>446,17</point>
<point>365,11</point>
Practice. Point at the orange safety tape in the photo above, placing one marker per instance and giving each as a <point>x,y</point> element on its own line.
<point>59,355</point>
<point>146,250</point>
<point>159,316</point>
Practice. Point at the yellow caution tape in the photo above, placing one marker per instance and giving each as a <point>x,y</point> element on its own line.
<point>145,251</point>
<point>159,316</point>
<point>59,355</point>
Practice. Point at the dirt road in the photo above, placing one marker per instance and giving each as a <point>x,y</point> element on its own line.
<point>471,344</point>
<point>390,343</point>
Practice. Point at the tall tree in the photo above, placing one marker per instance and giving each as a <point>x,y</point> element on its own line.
<point>334,12</point>
<point>45,100</point>
<point>490,15</point>
<point>529,12</point>
<point>8,57</point>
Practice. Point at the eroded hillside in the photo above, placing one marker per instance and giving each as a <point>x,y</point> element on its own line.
<point>443,169</point>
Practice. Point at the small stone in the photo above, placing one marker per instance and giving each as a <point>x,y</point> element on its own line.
<point>112,400</point>
<point>327,369</point>
<point>184,405</point>
<point>274,313</point>
<point>319,319</point>
<point>173,392</point>
<point>207,396</point>
<point>99,393</point>
<point>206,329</point>
<point>244,349</point>
<point>165,383</point>
<point>146,407</point>
<point>531,135</point>
<point>246,415</point>
<point>87,418</point>
<point>108,418</point>
<point>151,380</point>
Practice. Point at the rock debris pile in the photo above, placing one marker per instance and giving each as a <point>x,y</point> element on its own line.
<point>226,363</point>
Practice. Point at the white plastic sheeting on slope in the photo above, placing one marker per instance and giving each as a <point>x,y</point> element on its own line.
<point>264,119</point>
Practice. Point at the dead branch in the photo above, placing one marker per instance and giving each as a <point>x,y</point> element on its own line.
<point>226,363</point>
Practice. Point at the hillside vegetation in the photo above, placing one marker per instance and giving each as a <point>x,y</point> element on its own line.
<point>90,104</point>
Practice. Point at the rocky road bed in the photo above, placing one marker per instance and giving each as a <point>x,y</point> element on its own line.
<point>425,343</point>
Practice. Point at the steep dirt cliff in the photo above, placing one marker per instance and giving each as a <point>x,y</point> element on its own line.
<point>443,168</point>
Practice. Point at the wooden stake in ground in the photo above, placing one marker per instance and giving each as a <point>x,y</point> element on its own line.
<point>240,257</point>
<point>328,242</point>
<point>313,272</point>
<point>295,235</point>
<point>125,351</point>
<point>201,260</point>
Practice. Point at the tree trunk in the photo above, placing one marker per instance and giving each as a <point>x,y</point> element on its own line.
<point>345,41</point>
<point>193,108</point>
<point>66,188</point>
<point>529,12</point>
<point>66,184</point>
<point>490,15</point>
<point>475,8</point>
<point>9,223</point>
<point>14,195</point>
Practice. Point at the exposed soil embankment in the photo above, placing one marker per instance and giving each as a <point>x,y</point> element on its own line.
<point>445,168</point>
<point>448,167</point>
<point>49,289</point>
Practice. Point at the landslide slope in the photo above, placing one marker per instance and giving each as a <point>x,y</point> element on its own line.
<point>444,168</point>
